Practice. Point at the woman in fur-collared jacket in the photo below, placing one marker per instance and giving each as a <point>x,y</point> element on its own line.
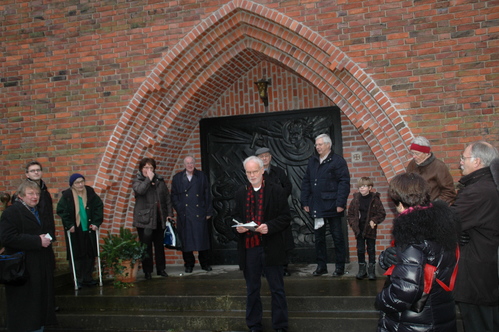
<point>425,235</point>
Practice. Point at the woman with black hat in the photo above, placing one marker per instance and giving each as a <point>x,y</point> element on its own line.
<point>81,211</point>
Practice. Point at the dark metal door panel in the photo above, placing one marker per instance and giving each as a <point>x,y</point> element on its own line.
<point>227,141</point>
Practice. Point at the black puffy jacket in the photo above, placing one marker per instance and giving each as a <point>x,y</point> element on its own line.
<point>422,236</point>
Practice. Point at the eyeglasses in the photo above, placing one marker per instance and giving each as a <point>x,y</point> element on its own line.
<point>35,170</point>
<point>416,154</point>
<point>463,158</point>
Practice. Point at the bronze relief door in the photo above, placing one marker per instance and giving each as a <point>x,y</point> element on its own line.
<point>290,136</point>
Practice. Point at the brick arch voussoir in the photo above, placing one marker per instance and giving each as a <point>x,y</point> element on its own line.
<point>302,59</point>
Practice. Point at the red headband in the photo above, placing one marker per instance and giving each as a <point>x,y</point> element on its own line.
<point>420,148</point>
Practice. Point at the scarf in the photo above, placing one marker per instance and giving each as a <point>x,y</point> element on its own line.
<point>33,210</point>
<point>254,212</point>
<point>80,202</point>
<point>414,208</point>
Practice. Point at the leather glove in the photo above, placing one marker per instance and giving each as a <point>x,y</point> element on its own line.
<point>464,238</point>
<point>390,256</point>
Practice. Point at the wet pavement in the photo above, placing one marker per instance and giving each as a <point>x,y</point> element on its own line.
<point>229,280</point>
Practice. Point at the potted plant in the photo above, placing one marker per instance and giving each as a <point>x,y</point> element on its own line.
<point>121,254</point>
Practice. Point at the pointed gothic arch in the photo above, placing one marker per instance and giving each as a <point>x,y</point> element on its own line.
<point>207,61</point>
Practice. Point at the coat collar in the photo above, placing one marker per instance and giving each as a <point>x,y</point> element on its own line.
<point>328,158</point>
<point>428,160</point>
<point>476,176</point>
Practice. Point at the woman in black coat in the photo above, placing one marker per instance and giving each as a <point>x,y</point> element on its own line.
<point>426,240</point>
<point>30,306</point>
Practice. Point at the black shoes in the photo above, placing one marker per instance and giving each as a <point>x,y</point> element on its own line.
<point>148,275</point>
<point>162,273</point>
<point>338,272</point>
<point>207,268</point>
<point>188,269</point>
<point>319,272</point>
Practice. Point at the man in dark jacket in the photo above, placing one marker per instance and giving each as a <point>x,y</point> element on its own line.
<point>34,172</point>
<point>278,176</point>
<point>81,211</point>
<point>262,249</point>
<point>191,198</point>
<point>477,204</point>
<point>324,192</point>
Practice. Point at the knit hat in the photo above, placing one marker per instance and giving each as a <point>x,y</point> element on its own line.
<point>74,177</point>
<point>261,151</point>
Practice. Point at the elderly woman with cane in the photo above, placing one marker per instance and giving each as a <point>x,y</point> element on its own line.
<point>81,211</point>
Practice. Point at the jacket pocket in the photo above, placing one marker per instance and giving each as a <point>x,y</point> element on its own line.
<point>329,200</point>
<point>145,216</point>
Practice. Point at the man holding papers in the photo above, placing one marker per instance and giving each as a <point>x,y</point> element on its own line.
<point>262,250</point>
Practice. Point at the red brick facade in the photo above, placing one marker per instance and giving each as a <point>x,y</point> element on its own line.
<point>92,87</point>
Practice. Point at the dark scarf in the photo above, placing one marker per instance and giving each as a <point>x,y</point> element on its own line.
<point>254,212</point>
<point>33,210</point>
<point>428,161</point>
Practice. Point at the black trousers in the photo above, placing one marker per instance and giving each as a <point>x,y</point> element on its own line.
<point>153,238</point>
<point>204,257</point>
<point>338,239</point>
<point>255,265</point>
<point>362,242</point>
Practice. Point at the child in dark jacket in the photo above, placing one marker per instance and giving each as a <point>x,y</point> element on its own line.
<point>364,214</point>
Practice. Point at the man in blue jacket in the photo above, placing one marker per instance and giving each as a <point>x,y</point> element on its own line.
<point>324,192</point>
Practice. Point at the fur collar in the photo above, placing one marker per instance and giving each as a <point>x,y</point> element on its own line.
<point>437,223</point>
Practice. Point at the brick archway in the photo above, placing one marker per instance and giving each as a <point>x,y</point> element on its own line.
<point>209,59</point>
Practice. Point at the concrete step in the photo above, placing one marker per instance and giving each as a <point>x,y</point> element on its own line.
<point>215,301</point>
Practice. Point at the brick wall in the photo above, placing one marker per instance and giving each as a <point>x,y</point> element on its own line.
<point>92,87</point>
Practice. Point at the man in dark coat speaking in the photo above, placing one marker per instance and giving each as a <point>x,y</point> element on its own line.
<point>191,198</point>
<point>262,249</point>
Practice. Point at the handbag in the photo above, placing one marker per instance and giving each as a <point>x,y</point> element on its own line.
<point>13,269</point>
<point>171,239</point>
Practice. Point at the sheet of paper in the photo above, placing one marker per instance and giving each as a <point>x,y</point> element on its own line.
<point>251,225</point>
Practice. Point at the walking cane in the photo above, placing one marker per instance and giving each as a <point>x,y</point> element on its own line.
<point>98,256</point>
<point>72,259</point>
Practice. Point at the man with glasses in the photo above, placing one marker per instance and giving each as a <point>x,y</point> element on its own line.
<point>433,170</point>
<point>477,205</point>
<point>324,193</point>
<point>34,172</point>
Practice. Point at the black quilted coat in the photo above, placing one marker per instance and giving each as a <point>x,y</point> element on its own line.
<point>422,236</point>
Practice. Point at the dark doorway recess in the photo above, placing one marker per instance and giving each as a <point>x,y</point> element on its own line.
<point>227,141</point>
